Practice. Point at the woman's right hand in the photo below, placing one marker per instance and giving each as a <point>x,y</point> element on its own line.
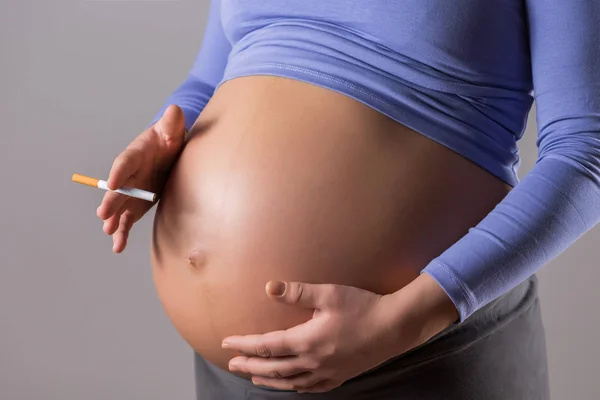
<point>144,164</point>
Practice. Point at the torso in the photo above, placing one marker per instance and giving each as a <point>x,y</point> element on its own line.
<point>286,180</point>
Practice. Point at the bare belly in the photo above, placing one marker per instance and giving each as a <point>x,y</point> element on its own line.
<point>285,180</point>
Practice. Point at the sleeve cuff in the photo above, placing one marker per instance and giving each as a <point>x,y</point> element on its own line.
<point>461,296</point>
<point>192,96</point>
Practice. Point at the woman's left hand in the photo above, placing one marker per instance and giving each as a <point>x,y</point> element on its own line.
<point>352,330</point>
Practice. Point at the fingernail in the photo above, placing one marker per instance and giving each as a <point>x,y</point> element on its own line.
<point>98,210</point>
<point>225,344</point>
<point>277,288</point>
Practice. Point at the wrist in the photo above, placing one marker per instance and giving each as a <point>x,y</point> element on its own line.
<point>420,310</point>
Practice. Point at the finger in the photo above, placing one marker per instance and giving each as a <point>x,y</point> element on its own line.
<point>111,203</point>
<point>301,382</point>
<point>171,126</point>
<point>124,167</point>
<point>301,294</point>
<point>272,344</point>
<point>121,235</point>
<point>112,223</point>
<point>276,367</point>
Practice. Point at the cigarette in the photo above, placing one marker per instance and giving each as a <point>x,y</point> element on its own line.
<point>127,191</point>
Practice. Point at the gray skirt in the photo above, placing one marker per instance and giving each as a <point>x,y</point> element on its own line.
<point>499,353</point>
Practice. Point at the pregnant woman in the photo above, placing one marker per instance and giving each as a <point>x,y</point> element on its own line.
<point>340,212</point>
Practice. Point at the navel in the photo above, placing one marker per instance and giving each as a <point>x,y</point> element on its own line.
<point>197,259</point>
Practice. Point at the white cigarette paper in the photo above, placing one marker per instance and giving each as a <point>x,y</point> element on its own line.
<point>133,192</point>
<point>128,191</point>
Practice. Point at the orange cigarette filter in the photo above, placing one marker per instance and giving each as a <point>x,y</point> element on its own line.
<point>86,180</point>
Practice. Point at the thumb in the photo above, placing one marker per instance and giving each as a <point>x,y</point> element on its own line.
<point>301,294</point>
<point>171,126</point>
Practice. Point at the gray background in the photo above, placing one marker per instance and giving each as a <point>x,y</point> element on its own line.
<point>79,79</point>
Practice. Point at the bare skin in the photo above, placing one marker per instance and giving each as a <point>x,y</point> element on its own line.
<point>332,347</point>
<point>144,164</point>
<point>283,180</point>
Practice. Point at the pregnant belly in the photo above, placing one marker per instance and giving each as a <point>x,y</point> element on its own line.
<point>285,180</point>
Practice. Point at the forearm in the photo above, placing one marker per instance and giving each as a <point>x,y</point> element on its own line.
<point>554,205</point>
<point>559,200</point>
<point>191,96</point>
<point>417,312</point>
<point>206,73</point>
